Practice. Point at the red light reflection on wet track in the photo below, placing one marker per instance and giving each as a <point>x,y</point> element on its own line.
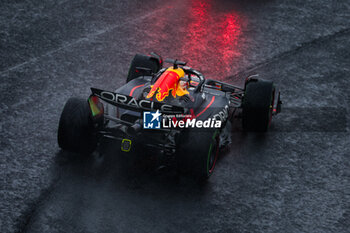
<point>211,35</point>
<point>228,41</point>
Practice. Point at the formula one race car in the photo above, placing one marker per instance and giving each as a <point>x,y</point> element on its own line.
<point>173,111</point>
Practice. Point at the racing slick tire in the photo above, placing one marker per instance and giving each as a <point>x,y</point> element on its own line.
<point>197,153</point>
<point>257,105</point>
<point>75,130</point>
<point>142,61</point>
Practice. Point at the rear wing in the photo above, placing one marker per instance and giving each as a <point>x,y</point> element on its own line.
<point>129,102</point>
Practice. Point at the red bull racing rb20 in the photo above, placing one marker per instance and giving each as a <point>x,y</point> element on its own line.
<point>173,111</point>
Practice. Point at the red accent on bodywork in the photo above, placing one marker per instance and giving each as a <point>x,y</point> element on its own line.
<point>205,109</point>
<point>132,90</point>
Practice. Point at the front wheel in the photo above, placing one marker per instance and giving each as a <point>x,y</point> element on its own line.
<point>75,130</point>
<point>197,153</point>
<point>257,105</point>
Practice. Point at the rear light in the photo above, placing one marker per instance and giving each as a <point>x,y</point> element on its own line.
<point>96,106</point>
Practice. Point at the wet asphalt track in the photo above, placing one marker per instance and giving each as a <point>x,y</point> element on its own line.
<point>293,179</point>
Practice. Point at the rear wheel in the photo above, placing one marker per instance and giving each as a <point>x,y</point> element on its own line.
<point>75,130</point>
<point>142,61</point>
<point>197,153</point>
<point>257,105</point>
